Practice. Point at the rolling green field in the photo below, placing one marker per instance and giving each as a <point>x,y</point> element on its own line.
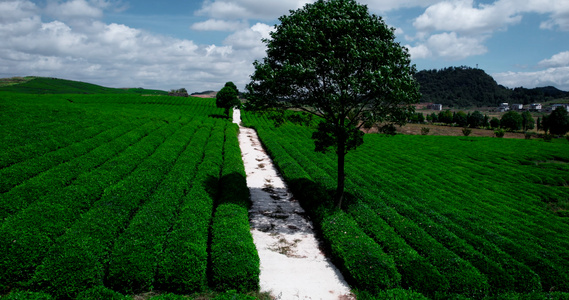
<point>108,194</point>
<point>43,85</point>
<point>443,216</point>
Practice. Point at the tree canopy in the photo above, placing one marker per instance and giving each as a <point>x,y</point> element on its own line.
<point>557,122</point>
<point>228,98</point>
<point>511,120</point>
<point>335,60</point>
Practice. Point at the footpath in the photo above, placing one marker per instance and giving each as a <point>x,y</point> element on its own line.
<point>292,264</point>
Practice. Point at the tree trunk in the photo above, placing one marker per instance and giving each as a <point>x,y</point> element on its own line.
<point>341,153</point>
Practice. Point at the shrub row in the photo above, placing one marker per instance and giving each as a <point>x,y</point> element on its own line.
<point>234,257</point>
<point>27,295</point>
<point>25,237</point>
<point>359,256</point>
<point>416,272</point>
<point>133,261</point>
<point>182,266</point>
<point>61,175</point>
<point>484,213</point>
<point>78,259</point>
<point>518,277</point>
<point>18,173</point>
<point>58,138</point>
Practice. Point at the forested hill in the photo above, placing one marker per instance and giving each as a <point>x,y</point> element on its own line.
<point>466,87</point>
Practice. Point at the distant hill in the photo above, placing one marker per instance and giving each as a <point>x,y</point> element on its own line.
<point>467,87</point>
<point>43,85</point>
<point>206,94</point>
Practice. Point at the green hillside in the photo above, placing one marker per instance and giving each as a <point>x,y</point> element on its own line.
<point>468,87</point>
<point>44,85</point>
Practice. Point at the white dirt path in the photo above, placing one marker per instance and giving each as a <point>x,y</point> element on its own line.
<point>292,264</point>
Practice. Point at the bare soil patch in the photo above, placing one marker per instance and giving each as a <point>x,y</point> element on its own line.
<point>415,129</point>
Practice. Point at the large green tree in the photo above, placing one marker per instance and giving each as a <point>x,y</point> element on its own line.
<point>337,61</point>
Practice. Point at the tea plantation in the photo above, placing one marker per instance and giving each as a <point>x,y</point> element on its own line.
<point>449,217</point>
<point>106,196</point>
<point>110,195</point>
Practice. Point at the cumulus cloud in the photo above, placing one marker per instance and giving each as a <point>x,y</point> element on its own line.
<point>218,25</point>
<point>448,46</point>
<point>558,77</point>
<point>462,16</point>
<point>249,9</point>
<point>118,55</point>
<point>390,5</point>
<point>75,9</point>
<point>557,60</point>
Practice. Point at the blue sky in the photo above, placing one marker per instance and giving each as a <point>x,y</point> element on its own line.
<point>201,44</point>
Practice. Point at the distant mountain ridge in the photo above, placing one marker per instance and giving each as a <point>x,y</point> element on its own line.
<point>45,85</point>
<point>467,87</point>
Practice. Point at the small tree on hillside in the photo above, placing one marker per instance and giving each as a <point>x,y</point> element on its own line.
<point>495,123</point>
<point>527,121</point>
<point>558,121</point>
<point>335,60</point>
<point>446,117</point>
<point>545,124</point>
<point>511,120</point>
<point>227,98</point>
<point>475,119</point>
<point>486,121</point>
<point>460,118</point>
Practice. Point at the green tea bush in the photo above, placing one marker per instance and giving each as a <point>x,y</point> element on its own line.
<point>392,294</point>
<point>425,130</point>
<point>182,266</point>
<point>36,228</point>
<point>135,253</point>
<point>466,131</point>
<point>234,257</point>
<point>416,272</point>
<point>169,296</point>
<point>78,259</point>
<point>363,260</point>
<point>27,296</point>
<point>101,293</point>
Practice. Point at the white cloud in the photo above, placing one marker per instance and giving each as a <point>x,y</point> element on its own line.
<point>465,16</point>
<point>558,77</point>
<point>249,9</point>
<point>389,5</point>
<point>419,52</point>
<point>218,25</point>
<point>448,46</point>
<point>557,60</point>
<point>13,11</point>
<point>121,56</point>
<point>461,16</point>
<point>75,9</point>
